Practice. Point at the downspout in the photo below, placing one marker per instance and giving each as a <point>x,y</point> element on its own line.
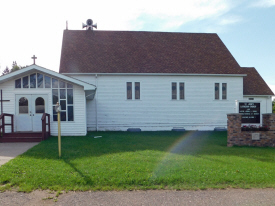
<point>267,100</point>
<point>96,103</point>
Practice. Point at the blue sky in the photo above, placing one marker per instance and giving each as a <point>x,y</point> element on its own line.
<point>247,27</point>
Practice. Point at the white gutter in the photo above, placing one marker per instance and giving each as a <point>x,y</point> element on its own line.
<point>251,95</point>
<point>155,74</point>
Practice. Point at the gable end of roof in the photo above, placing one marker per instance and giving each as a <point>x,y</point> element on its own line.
<point>254,84</point>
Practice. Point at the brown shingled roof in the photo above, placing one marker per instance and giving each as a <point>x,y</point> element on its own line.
<point>253,83</point>
<point>87,51</point>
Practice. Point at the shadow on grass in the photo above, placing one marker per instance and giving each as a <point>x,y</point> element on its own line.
<point>86,178</point>
<point>183,143</point>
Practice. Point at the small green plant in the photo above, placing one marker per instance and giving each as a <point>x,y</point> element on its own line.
<point>58,193</point>
<point>47,198</point>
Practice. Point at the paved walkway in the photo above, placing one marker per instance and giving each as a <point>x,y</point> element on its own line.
<point>9,151</point>
<point>228,197</point>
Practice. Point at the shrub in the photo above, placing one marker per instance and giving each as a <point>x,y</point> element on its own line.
<point>255,128</point>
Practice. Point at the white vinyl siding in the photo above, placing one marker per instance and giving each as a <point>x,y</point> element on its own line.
<point>156,111</point>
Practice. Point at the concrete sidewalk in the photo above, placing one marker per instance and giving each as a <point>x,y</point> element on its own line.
<point>9,151</point>
<point>227,197</point>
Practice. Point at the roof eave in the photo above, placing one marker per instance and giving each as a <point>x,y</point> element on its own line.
<point>31,68</point>
<point>258,95</point>
<point>156,74</point>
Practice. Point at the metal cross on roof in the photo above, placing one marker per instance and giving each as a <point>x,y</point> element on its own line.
<point>34,58</point>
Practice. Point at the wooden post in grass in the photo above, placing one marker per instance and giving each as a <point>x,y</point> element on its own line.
<point>58,108</point>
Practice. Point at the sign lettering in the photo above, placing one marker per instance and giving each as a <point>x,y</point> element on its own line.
<point>250,112</point>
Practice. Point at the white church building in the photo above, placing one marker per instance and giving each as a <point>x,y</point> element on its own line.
<point>133,80</point>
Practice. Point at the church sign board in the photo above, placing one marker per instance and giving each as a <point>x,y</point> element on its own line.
<point>250,112</point>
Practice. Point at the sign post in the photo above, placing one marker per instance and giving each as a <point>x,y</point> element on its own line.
<point>58,109</point>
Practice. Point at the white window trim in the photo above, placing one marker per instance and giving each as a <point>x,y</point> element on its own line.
<point>220,91</point>
<point>178,90</point>
<point>226,93</point>
<point>133,91</point>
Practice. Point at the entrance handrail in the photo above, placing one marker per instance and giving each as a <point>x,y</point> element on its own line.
<point>45,133</point>
<point>3,124</point>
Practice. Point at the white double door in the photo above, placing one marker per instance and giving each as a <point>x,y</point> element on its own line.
<point>29,110</point>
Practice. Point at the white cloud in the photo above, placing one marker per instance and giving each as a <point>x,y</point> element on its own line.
<point>263,3</point>
<point>111,15</point>
<point>29,28</point>
<point>230,20</point>
<point>128,15</point>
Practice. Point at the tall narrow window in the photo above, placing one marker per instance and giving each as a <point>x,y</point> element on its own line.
<point>18,83</point>
<point>70,101</point>
<point>54,114</point>
<point>62,84</point>
<point>54,83</point>
<point>62,93</point>
<point>55,96</point>
<point>26,82</point>
<point>47,82</point>
<point>62,116</point>
<point>217,90</point>
<point>181,90</point>
<point>129,90</point>
<point>137,90</point>
<point>174,90</point>
<point>70,97</point>
<point>70,113</point>
<point>33,81</point>
<point>224,90</point>
<point>62,96</point>
<point>39,80</point>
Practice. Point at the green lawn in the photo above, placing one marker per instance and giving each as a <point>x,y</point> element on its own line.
<point>146,160</point>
